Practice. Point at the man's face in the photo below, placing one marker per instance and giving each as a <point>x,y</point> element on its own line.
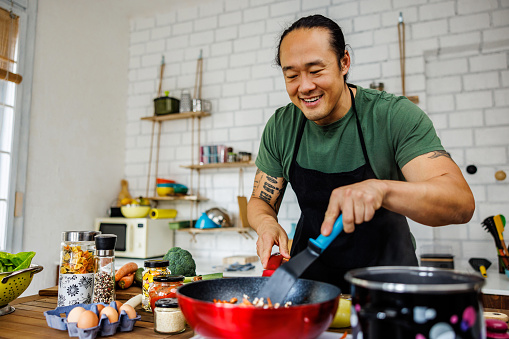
<point>314,81</point>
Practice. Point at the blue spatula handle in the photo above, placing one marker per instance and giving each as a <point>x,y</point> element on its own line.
<point>324,241</point>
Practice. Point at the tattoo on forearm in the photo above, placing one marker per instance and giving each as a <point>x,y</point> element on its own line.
<point>269,192</point>
<point>436,154</point>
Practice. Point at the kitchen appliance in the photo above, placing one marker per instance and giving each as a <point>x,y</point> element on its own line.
<point>138,237</point>
<point>314,306</point>
<point>415,302</point>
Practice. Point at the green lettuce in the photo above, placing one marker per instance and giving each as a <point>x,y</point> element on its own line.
<point>14,262</point>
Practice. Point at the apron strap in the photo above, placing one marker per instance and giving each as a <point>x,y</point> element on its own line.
<point>359,129</point>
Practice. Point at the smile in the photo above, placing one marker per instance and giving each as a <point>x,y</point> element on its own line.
<point>311,100</point>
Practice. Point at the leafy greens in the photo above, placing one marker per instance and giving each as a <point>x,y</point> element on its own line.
<point>14,262</point>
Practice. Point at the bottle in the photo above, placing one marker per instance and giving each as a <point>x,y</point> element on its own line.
<point>76,274</point>
<point>104,276</point>
<point>168,318</point>
<point>153,268</point>
<point>164,286</point>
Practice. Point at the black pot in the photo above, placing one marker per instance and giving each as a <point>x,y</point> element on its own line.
<point>415,302</point>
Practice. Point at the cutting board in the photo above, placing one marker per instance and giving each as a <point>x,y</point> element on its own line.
<point>241,259</point>
<point>120,294</point>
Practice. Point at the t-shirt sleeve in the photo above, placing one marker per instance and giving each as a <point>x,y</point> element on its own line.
<point>268,159</point>
<point>412,131</point>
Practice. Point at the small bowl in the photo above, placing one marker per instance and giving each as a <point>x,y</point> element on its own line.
<point>165,191</point>
<point>164,181</point>
<point>204,222</point>
<point>134,211</point>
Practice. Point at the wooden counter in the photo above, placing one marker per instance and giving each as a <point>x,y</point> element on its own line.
<point>28,320</point>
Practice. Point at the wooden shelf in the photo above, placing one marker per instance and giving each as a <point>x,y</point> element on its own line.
<point>221,165</point>
<point>177,116</point>
<point>179,197</point>
<point>244,231</point>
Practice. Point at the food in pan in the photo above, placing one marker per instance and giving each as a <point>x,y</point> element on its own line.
<point>257,302</point>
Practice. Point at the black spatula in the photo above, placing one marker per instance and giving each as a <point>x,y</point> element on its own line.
<point>280,283</point>
<point>480,265</point>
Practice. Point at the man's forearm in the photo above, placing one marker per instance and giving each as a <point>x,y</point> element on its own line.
<point>439,201</point>
<point>259,213</point>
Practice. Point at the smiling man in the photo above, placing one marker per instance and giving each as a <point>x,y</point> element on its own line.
<point>372,156</point>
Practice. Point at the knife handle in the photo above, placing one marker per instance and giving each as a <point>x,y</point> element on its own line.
<point>324,241</point>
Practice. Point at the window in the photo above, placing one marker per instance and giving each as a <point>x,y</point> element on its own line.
<point>17,31</point>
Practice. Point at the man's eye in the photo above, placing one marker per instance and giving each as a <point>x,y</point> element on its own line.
<point>315,72</point>
<point>291,76</point>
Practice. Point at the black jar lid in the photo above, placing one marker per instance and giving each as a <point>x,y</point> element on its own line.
<point>105,241</point>
<point>167,303</point>
<point>169,278</point>
<point>156,263</point>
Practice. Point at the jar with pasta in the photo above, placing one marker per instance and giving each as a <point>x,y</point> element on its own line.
<point>76,275</point>
<point>153,268</point>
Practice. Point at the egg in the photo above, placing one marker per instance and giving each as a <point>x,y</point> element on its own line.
<point>129,310</point>
<point>111,313</point>
<point>88,319</point>
<point>119,304</point>
<point>74,315</point>
<point>99,308</point>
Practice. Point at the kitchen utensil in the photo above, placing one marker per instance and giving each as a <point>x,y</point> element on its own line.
<point>287,274</point>
<point>415,302</point>
<point>204,222</point>
<point>490,227</point>
<point>499,221</point>
<point>185,101</point>
<point>219,216</point>
<point>161,73</point>
<point>480,265</point>
<point>402,56</point>
<point>198,78</point>
<point>135,211</point>
<point>13,284</point>
<point>313,307</point>
<point>242,200</point>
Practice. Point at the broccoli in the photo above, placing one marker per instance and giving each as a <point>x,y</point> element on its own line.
<point>181,262</point>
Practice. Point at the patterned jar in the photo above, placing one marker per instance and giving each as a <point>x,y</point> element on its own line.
<point>76,276</point>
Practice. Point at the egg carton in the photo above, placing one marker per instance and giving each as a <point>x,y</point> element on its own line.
<point>105,328</point>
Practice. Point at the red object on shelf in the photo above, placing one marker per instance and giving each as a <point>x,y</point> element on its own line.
<point>164,181</point>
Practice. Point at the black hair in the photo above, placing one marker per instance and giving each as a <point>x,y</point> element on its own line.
<point>337,39</point>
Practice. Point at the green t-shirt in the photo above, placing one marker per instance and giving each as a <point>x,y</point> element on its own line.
<point>395,131</point>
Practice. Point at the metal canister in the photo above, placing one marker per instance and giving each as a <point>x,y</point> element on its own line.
<point>153,268</point>
<point>76,276</point>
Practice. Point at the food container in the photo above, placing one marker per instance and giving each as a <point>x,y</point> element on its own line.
<point>164,286</point>
<point>166,105</point>
<point>168,318</point>
<point>415,302</point>
<point>104,276</point>
<point>200,105</point>
<point>76,278</point>
<point>153,268</point>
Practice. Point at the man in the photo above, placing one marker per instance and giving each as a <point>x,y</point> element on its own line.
<point>371,156</point>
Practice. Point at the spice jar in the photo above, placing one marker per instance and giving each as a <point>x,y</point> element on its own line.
<point>153,268</point>
<point>76,275</point>
<point>104,276</point>
<point>168,318</point>
<point>164,286</point>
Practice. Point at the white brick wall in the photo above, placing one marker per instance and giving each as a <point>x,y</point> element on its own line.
<point>457,62</point>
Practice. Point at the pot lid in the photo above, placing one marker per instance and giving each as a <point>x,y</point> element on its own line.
<point>411,279</point>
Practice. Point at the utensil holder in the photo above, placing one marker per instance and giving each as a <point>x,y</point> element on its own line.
<point>501,266</point>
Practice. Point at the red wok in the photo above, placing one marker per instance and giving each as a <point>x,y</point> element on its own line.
<point>314,305</point>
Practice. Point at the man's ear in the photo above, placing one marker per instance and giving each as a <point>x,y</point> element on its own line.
<point>345,63</point>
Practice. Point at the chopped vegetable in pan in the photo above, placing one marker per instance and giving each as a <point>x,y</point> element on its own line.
<point>257,302</point>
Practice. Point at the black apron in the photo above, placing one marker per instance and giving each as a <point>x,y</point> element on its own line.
<point>383,241</point>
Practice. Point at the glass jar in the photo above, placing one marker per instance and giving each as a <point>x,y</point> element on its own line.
<point>104,276</point>
<point>76,275</point>
<point>168,318</point>
<point>164,286</point>
<point>153,268</point>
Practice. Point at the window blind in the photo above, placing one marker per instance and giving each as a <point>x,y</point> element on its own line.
<point>9,23</point>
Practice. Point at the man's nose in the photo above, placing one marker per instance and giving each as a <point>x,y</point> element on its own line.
<point>306,84</point>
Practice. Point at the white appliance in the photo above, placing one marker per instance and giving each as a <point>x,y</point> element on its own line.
<point>138,237</point>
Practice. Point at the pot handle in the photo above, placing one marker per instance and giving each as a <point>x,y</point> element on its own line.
<point>33,268</point>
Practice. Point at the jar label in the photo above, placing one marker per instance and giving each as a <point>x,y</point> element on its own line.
<point>75,289</point>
